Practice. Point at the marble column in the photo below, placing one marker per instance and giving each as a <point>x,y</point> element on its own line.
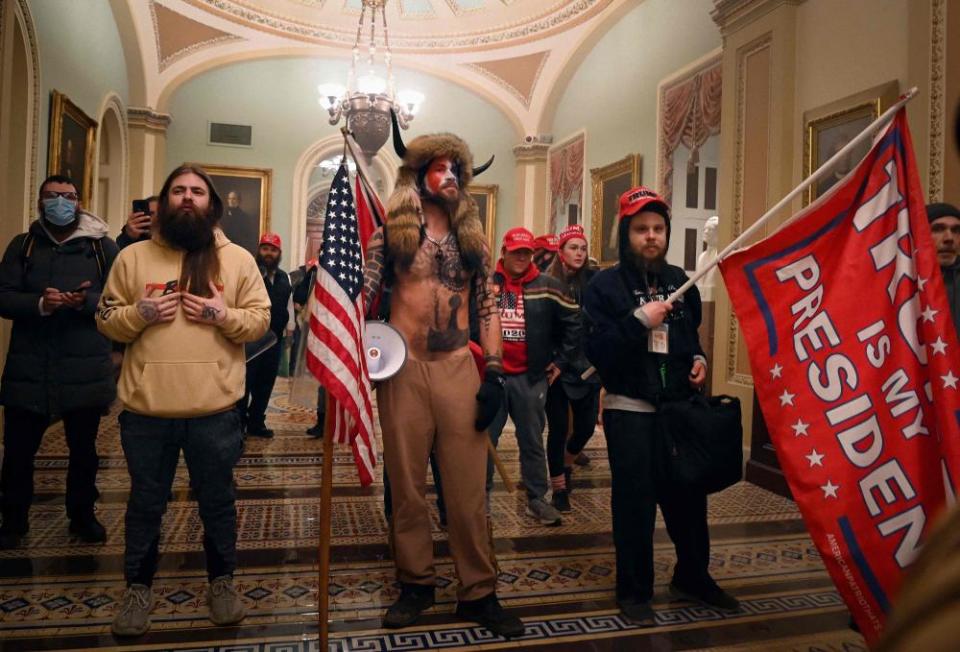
<point>147,130</point>
<point>531,208</point>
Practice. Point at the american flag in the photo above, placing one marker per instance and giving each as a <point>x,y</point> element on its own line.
<point>335,341</point>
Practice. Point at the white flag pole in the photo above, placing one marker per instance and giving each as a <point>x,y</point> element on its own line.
<point>813,178</point>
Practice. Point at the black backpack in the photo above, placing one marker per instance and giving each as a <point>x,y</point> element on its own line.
<point>26,249</point>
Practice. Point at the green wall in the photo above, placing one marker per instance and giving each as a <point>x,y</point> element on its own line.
<point>80,56</point>
<point>613,94</point>
<point>279,98</point>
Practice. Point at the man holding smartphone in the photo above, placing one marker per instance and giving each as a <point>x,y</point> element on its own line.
<point>137,228</point>
<point>58,365</point>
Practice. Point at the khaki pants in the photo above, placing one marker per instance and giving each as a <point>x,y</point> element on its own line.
<point>427,405</point>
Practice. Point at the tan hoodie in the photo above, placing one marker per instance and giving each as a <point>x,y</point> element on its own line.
<point>181,368</point>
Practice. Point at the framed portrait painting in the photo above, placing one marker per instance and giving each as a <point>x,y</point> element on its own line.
<point>486,198</point>
<point>828,128</point>
<point>608,183</point>
<point>246,202</point>
<point>71,146</point>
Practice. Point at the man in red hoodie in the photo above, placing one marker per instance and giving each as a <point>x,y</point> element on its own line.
<point>533,357</point>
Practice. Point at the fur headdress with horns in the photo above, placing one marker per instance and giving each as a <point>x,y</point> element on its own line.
<point>404,208</point>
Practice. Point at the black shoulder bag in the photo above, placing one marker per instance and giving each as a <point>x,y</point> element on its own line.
<point>703,441</point>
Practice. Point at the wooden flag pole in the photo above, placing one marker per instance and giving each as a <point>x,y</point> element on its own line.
<point>326,499</point>
<point>498,463</point>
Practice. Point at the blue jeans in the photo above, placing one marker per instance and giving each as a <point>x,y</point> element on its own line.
<point>525,403</point>
<point>211,446</point>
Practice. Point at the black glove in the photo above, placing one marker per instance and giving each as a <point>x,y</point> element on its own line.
<point>489,399</point>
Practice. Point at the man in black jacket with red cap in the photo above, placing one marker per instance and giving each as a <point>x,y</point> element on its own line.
<point>262,370</point>
<point>647,351</point>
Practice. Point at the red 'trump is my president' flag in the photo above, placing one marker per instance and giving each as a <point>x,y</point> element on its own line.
<point>857,370</point>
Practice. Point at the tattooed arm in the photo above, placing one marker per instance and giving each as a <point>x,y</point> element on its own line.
<point>488,316</point>
<point>123,313</point>
<point>373,271</point>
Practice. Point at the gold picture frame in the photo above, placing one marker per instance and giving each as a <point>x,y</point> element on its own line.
<point>245,222</point>
<point>828,128</point>
<point>486,198</point>
<point>608,183</point>
<point>72,145</point>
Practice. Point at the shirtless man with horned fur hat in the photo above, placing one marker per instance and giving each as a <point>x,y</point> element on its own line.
<point>436,256</point>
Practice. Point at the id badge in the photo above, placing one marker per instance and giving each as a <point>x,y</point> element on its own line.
<point>658,340</point>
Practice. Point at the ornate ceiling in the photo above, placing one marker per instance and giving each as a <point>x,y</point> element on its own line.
<point>414,24</point>
<point>514,53</point>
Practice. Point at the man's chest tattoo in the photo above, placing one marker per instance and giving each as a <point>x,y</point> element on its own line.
<point>449,338</point>
<point>447,264</point>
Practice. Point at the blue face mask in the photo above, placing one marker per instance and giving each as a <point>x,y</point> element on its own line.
<point>59,211</point>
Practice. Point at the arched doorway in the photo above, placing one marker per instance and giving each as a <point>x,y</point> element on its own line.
<point>316,212</point>
<point>19,117</point>
<point>110,194</point>
<point>308,182</point>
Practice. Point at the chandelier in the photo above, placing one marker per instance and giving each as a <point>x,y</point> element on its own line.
<point>329,166</point>
<point>366,101</point>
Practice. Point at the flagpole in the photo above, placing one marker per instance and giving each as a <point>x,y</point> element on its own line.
<point>326,495</point>
<point>362,170</point>
<point>813,178</point>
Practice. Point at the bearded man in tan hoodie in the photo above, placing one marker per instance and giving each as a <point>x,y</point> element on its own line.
<point>183,302</point>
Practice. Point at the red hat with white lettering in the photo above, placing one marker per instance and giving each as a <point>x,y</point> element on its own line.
<point>518,238</point>
<point>571,232</point>
<point>549,242</point>
<point>271,239</point>
<point>641,198</point>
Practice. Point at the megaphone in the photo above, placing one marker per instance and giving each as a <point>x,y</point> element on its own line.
<point>384,349</point>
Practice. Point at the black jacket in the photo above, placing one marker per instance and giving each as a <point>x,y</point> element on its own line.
<point>551,322</point>
<point>573,384</point>
<point>615,341</point>
<point>279,292</point>
<point>952,285</point>
<point>60,362</point>
<point>124,240</point>
<point>302,292</point>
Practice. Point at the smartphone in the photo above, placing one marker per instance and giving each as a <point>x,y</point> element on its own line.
<point>141,206</point>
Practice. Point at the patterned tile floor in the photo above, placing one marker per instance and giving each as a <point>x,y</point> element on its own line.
<point>58,594</point>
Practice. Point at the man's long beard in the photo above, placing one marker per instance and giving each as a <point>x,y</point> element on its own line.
<point>186,229</point>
